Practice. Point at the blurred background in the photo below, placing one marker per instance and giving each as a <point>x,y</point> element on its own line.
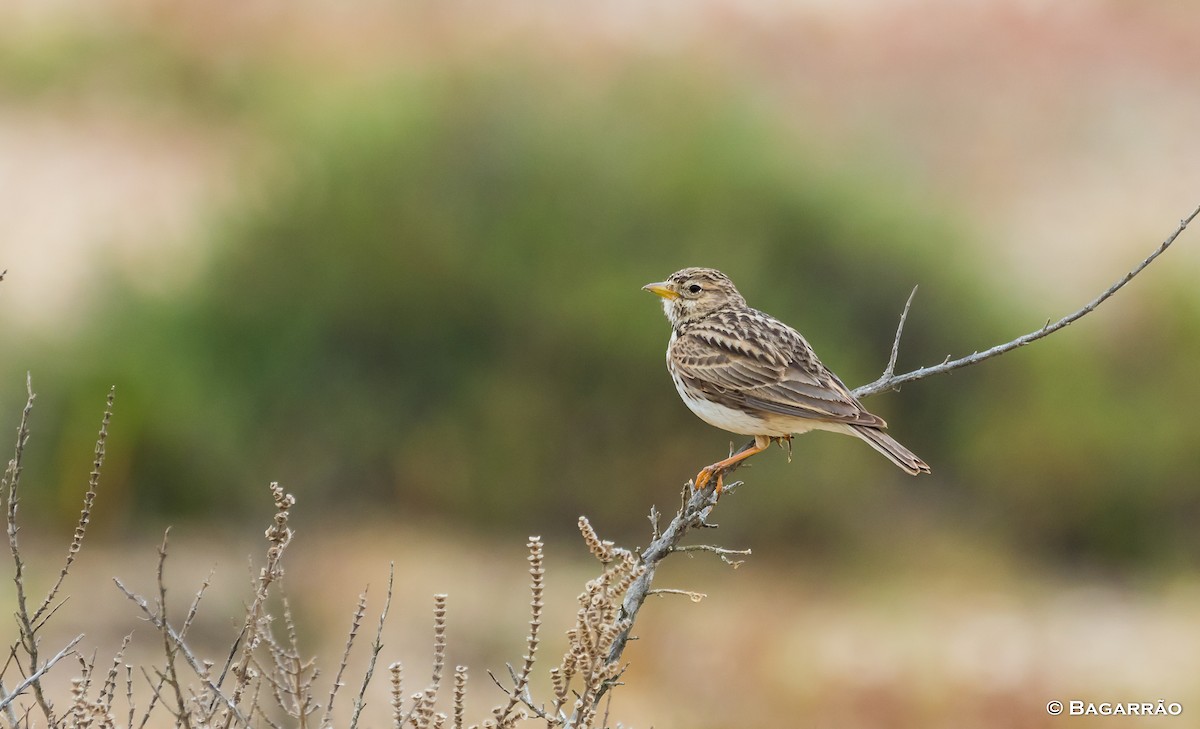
<point>389,254</point>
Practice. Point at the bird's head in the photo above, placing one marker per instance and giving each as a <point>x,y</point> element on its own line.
<point>694,293</point>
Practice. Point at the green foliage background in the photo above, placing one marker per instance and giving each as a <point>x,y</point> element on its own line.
<point>433,308</point>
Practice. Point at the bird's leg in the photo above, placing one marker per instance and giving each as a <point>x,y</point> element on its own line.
<point>718,469</point>
<point>785,442</point>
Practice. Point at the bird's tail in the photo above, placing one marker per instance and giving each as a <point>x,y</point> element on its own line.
<point>888,446</point>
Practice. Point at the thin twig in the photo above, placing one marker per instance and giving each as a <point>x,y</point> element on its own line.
<point>36,676</point>
<point>722,553</point>
<point>691,514</point>
<point>891,365</point>
<point>169,647</point>
<point>536,604</point>
<point>891,381</point>
<point>355,623</point>
<point>693,596</point>
<point>12,479</point>
<point>183,650</point>
<point>85,514</point>
<point>376,647</point>
<point>525,697</point>
<point>9,712</point>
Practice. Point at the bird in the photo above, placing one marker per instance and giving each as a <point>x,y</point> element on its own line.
<point>746,372</point>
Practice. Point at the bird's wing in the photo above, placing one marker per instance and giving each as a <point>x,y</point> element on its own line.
<point>752,361</point>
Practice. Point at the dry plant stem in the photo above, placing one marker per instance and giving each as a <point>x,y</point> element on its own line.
<point>30,624</point>
<point>279,535</point>
<point>460,692</point>
<point>7,698</point>
<point>156,688</point>
<point>536,586</point>
<point>85,514</point>
<point>891,365</point>
<point>12,479</point>
<point>182,649</point>
<point>721,553</point>
<point>691,515</point>
<point>169,647</point>
<point>36,676</point>
<point>891,381</point>
<point>397,691</point>
<point>360,701</point>
<point>355,623</point>
<point>693,596</point>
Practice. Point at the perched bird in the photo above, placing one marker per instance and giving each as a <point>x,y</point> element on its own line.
<point>749,373</point>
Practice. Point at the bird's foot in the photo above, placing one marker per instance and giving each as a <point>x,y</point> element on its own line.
<point>785,442</point>
<point>706,474</point>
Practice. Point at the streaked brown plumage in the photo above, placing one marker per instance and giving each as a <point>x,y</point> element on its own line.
<point>746,372</point>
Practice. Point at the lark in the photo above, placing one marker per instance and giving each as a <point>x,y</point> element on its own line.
<point>748,373</point>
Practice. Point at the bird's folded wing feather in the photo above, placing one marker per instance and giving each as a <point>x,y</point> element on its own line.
<point>736,365</point>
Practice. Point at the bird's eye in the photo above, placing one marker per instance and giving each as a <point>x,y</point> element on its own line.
<point>694,288</point>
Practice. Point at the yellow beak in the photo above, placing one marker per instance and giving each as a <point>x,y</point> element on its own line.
<point>661,289</point>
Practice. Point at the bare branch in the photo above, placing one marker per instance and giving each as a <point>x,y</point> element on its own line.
<point>11,482</point>
<point>692,514</point>
<point>182,648</point>
<point>355,622</point>
<point>536,588</point>
<point>721,552</point>
<point>891,381</point>
<point>376,647</point>
<point>891,365</point>
<point>526,698</point>
<point>693,596</point>
<point>36,676</point>
<point>85,514</point>
<point>169,647</point>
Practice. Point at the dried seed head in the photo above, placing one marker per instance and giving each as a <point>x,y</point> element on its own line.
<point>601,550</point>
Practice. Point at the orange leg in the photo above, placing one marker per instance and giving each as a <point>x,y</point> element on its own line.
<point>761,443</point>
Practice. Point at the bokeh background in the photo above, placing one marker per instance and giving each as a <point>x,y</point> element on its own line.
<point>389,254</point>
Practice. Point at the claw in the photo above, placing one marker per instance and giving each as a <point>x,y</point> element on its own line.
<point>706,474</point>
<point>718,469</point>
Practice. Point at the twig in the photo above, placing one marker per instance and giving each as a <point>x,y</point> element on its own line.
<point>536,587</point>
<point>183,650</point>
<point>85,514</point>
<point>525,697</point>
<point>891,365</point>
<point>891,381</point>
<point>693,596</point>
<point>279,536</point>
<point>12,479</point>
<point>654,517</point>
<point>691,514</point>
<point>721,552</point>
<point>355,624</point>
<point>35,677</point>
<point>6,697</point>
<point>376,647</point>
<point>169,647</point>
